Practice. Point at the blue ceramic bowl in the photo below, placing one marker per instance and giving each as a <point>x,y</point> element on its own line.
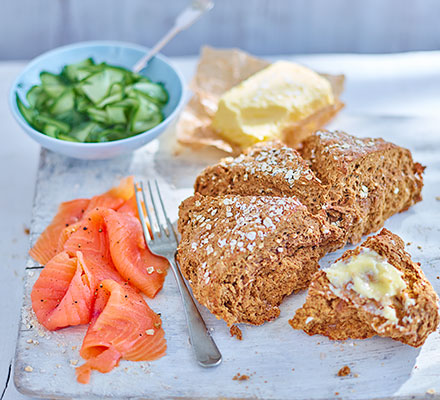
<point>126,55</point>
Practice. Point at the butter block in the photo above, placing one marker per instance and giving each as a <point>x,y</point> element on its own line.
<point>275,98</point>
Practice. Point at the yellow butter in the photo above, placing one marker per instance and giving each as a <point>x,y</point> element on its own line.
<point>262,106</point>
<point>371,276</point>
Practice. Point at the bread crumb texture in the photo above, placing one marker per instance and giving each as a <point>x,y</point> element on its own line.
<point>344,371</point>
<point>239,377</point>
<point>236,331</point>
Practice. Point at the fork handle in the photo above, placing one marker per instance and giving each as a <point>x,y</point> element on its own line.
<point>205,349</point>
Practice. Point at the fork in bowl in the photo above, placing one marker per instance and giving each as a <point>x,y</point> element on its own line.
<point>162,240</point>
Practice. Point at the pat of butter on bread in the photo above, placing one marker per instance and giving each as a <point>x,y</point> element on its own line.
<point>270,101</point>
<point>371,276</point>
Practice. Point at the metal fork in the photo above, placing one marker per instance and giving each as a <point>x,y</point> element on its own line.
<point>162,241</point>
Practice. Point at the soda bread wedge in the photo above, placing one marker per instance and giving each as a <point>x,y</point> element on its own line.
<point>243,254</point>
<point>266,169</point>
<point>371,178</point>
<point>375,289</point>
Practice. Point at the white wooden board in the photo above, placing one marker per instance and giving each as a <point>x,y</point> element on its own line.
<point>282,363</point>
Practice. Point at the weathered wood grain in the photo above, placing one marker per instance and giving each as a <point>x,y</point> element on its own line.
<point>281,363</point>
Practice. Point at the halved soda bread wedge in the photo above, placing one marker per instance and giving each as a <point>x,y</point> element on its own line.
<point>371,178</point>
<point>375,289</point>
<point>356,183</point>
<point>243,254</point>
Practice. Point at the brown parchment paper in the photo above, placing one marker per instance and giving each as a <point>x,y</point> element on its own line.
<point>218,71</point>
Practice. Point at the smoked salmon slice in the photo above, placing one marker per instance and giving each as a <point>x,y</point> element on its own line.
<point>122,326</point>
<point>131,256</point>
<point>129,207</point>
<point>63,293</point>
<point>115,197</point>
<point>124,190</point>
<point>68,213</point>
<point>90,237</point>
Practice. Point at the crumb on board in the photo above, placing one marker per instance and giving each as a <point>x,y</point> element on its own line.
<point>239,377</point>
<point>27,231</point>
<point>356,375</point>
<point>73,362</point>
<point>344,371</point>
<point>409,243</point>
<point>236,331</point>
<point>419,247</point>
<point>430,391</point>
<point>336,393</point>
<point>28,368</point>
<point>437,198</point>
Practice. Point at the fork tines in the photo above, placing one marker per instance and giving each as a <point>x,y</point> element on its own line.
<point>154,225</point>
